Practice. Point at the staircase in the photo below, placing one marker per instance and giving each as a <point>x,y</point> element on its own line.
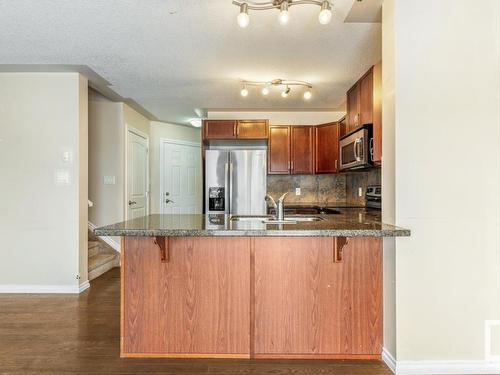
<point>102,257</point>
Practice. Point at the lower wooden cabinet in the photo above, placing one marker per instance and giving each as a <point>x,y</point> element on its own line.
<point>251,297</point>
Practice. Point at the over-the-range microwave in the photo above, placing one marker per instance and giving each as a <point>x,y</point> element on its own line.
<point>355,150</point>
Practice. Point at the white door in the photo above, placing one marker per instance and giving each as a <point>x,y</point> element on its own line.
<point>137,175</point>
<point>181,191</point>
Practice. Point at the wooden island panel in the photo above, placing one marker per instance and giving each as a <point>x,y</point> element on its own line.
<point>195,305</point>
<point>252,297</point>
<point>308,306</point>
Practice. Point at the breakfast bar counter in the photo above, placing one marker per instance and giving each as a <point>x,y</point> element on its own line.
<point>220,286</point>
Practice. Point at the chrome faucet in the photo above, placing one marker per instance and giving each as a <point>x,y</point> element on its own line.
<point>278,207</point>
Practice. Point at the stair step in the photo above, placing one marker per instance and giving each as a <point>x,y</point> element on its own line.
<point>101,259</point>
<point>94,248</point>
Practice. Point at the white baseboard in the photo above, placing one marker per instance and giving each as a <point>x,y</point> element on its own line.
<point>111,242</point>
<point>84,286</point>
<point>439,367</point>
<point>41,289</point>
<point>389,359</point>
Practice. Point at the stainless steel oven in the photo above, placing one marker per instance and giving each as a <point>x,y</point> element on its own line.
<point>355,150</point>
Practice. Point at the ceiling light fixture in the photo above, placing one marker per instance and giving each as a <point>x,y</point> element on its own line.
<point>283,17</point>
<point>324,17</point>
<point>244,91</point>
<point>196,122</point>
<point>285,83</point>
<point>243,18</point>
<point>285,93</point>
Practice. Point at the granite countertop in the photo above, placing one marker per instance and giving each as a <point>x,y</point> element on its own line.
<point>351,222</point>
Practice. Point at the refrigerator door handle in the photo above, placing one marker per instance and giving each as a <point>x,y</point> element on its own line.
<point>230,185</point>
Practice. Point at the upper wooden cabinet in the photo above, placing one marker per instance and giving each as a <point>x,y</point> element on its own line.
<point>235,129</point>
<point>219,129</point>
<point>364,106</point>
<point>290,150</point>
<point>302,146</point>
<point>353,108</point>
<point>252,129</point>
<point>326,148</point>
<point>278,150</point>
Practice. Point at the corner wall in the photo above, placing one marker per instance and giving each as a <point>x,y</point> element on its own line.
<point>447,183</point>
<point>42,117</point>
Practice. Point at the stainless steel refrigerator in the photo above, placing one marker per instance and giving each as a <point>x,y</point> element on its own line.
<point>235,182</point>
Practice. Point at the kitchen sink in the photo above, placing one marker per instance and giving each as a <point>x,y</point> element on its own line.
<point>291,219</point>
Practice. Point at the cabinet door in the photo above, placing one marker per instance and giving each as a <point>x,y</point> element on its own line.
<point>308,306</point>
<point>219,129</point>
<point>278,152</point>
<point>366,98</point>
<point>327,148</point>
<point>302,147</point>
<point>353,120</point>
<point>342,126</point>
<point>195,304</point>
<point>252,129</point>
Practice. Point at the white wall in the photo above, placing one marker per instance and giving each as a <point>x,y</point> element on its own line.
<point>106,158</point>
<point>447,179</point>
<point>108,122</point>
<point>161,130</point>
<point>42,115</point>
<point>281,117</point>
<point>388,177</point>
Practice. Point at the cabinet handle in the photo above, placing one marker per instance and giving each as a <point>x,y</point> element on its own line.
<point>336,164</point>
<point>339,243</point>
<point>291,165</point>
<point>371,149</point>
<point>234,129</point>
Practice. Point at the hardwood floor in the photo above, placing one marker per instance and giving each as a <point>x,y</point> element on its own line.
<point>68,334</point>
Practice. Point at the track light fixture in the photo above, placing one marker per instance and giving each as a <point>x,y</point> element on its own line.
<point>324,17</point>
<point>266,85</point>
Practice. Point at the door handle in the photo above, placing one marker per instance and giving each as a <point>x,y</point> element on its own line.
<point>131,203</point>
<point>356,155</point>
<point>169,201</point>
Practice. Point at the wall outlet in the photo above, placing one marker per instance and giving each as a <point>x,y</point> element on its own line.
<point>360,191</point>
<point>297,191</point>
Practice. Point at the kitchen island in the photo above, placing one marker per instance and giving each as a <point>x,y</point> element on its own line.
<point>220,286</point>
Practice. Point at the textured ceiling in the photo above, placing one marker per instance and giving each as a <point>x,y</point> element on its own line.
<point>173,56</point>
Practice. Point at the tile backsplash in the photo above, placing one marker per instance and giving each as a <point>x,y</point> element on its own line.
<point>322,189</point>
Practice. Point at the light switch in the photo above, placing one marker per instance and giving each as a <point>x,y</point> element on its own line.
<point>360,191</point>
<point>67,157</point>
<point>109,180</point>
<point>297,191</point>
<point>62,177</point>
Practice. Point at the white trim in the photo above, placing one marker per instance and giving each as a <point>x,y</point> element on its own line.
<point>488,325</point>
<point>439,367</point>
<point>446,367</point>
<point>389,359</point>
<point>84,286</point>
<point>131,129</point>
<point>162,167</point>
<point>40,289</point>
<point>179,142</point>
<point>111,242</point>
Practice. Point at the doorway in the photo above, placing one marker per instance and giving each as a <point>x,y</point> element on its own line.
<point>180,177</point>
<point>137,169</point>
